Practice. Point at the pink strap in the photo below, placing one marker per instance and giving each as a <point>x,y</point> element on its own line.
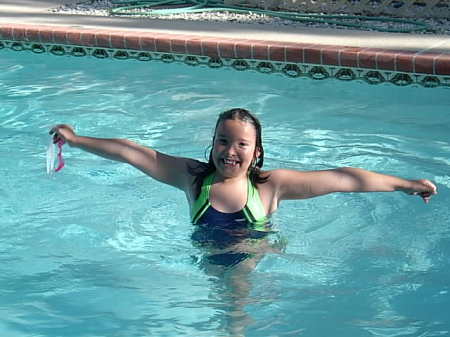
<point>60,144</point>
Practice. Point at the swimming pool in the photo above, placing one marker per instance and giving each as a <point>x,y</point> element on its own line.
<point>98,249</point>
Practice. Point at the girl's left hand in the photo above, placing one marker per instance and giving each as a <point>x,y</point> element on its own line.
<point>424,188</point>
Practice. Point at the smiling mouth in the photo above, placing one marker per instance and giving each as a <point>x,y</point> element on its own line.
<point>230,162</point>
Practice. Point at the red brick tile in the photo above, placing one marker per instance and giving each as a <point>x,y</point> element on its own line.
<point>147,42</point>
<point>385,60</point>
<point>19,33</point>
<point>227,49</point>
<point>131,41</point>
<point>6,33</point>
<point>243,50</point>
<point>366,59</point>
<point>162,44</point>
<point>49,35</point>
<point>442,64</point>
<point>404,62</point>
<point>260,51</point>
<point>277,53</point>
<point>194,46</point>
<point>88,39</point>
<point>424,63</point>
<point>178,45</point>
<point>32,34</point>
<point>312,54</point>
<point>348,57</point>
<point>74,37</point>
<point>294,53</point>
<point>330,56</point>
<point>46,36</point>
<point>103,39</point>
<point>210,47</point>
<point>117,41</point>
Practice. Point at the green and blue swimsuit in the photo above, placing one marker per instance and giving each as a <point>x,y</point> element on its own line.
<point>253,213</point>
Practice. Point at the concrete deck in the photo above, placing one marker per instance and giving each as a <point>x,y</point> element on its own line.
<point>31,21</point>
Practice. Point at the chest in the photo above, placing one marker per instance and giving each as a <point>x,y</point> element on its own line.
<point>228,198</point>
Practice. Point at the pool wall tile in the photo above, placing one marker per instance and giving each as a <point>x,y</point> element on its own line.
<point>227,49</point>
<point>348,57</point>
<point>32,34</point>
<point>178,45</point>
<point>260,51</point>
<point>404,62</point>
<point>277,53</point>
<point>367,59</point>
<point>147,42</point>
<point>210,47</point>
<point>385,60</point>
<point>312,54</point>
<point>194,46</point>
<point>19,33</point>
<point>163,44</point>
<point>74,37</point>
<point>47,36</point>
<point>442,65</point>
<point>372,65</point>
<point>330,56</point>
<point>424,63</point>
<point>6,33</point>
<point>87,39</point>
<point>103,39</point>
<point>243,50</point>
<point>132,42</point>
<point>294,54</point>
<point>117,41</point>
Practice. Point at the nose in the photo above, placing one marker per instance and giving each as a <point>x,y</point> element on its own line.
<point>230,150</point>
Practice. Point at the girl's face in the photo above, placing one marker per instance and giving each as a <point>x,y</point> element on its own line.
<point>234,147</point>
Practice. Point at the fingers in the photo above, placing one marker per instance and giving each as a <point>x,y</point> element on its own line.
<point>61,132</point>
<point>426,189</point>
<point>426,196</point>
<point>54,131</point>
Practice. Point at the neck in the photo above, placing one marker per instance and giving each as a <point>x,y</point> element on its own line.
<point>229,180</point>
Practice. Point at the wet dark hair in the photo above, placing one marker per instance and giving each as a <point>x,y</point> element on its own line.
<point>202,170</point>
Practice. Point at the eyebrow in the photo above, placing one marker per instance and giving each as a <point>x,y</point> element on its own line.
<point>239,139</point>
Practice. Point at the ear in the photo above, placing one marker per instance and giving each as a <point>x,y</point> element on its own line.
<point>257,152</point>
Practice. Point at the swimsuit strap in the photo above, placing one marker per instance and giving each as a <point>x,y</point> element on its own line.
<point>253,210</point>
<point>202,203</point>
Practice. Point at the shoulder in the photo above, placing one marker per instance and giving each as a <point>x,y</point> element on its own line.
<point>292,184</point>
<point>273,190</point>
<point>278,179</point>
<point>283,176</point>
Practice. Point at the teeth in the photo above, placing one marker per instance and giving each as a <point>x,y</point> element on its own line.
<point>229,162</point>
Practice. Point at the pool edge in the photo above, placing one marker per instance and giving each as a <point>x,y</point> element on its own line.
<point>294,59</point>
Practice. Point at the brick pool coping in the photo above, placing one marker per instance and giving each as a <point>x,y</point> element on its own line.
<point>435,66</point>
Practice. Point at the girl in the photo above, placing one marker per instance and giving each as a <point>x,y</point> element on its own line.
<point>231,198</point>
<point>232,186</point>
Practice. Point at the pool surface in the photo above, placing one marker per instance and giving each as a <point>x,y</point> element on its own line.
<point>99,249</point>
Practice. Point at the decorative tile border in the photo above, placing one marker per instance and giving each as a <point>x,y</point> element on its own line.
<point>315,61</point>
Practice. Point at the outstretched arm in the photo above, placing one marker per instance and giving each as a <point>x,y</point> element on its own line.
<point>299,185</point>
<point>167,169</point>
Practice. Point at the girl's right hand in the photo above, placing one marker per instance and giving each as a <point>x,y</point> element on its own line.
<point>64,132</point>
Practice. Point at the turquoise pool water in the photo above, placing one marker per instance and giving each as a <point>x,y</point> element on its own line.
<point>99,249</point>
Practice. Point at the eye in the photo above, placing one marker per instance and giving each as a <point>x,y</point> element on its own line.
<point>222,141</point>
<point>243,144</point>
